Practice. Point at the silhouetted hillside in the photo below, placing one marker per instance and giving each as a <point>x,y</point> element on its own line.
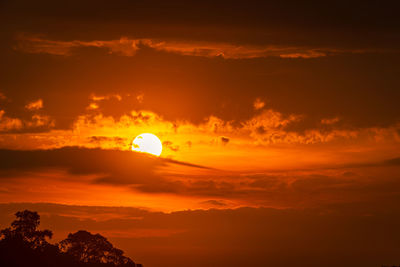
<point>23,244</point>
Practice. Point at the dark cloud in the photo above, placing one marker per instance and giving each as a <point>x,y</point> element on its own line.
<point>201,187</point>
<point>213,202</point>
<point>392,162</point>
<point>388,162</point>
<point>112,166</point>
<point>224,140</point>
<point>187,164</point>
<point>170,145</point>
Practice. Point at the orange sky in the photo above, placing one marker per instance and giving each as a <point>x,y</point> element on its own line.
<point>280,125</point>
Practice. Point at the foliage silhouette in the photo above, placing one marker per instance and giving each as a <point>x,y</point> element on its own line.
<point>90,248</point>
<point>24,228</point>
<point>23,244</point>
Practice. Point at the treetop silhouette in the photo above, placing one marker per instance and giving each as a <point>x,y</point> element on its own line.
<point>90,248</point>
<point>78,249</point>
<point>25,229</point>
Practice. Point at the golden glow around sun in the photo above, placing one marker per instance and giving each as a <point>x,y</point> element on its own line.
<point>147,143</point>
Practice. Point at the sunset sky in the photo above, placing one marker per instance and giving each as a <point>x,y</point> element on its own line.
<point>279,122</point>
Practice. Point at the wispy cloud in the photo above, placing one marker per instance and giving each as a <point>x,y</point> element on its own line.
<point>258,104</point>
<point>330,121</point>
<point>128,47</point>
<point>95,97</point>
<point>37,45</point>
<point>34,105</point>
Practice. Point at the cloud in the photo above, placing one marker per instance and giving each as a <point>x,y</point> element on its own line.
<point>392,162</point>
<point>97,98</point>
<point>214,203</point>
<point>101,141</point>
<point>140,98</point>
<point>109,166</point>
<point>232,51</point>
<point>187,164</point>
<point>169,145</point>
<point>117,167</point>
<point>258,104</point>
<point>35,105</point>
<point>93,106</point>
<point>224,140</point>
<point>37,123</point>
<point>271,119</point>
<point>129,47</point>
<point>330,121</point>
<point>9,124</point>
<point>38,45</point>
<point>269,126</point>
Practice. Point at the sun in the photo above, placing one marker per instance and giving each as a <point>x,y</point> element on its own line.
<point>147,143</point>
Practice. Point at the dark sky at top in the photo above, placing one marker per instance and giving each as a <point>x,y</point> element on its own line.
<point>357,80</point>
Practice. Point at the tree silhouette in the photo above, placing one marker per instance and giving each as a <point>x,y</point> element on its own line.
<point>90,248</point>
<point>23,244</point>
<point>23,238</point>
<point>24,228</point>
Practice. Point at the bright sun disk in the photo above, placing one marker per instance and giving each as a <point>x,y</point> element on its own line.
<point>147,143</point>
